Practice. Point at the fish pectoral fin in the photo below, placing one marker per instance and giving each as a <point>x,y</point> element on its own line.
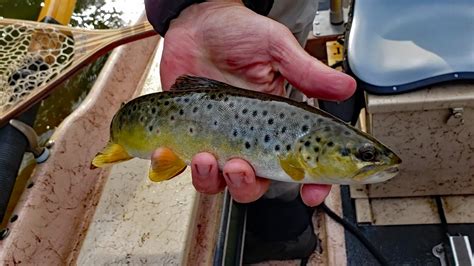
<point>112,153</point>
<point>292,167</point>
<point>187,82</point>
<point>165,164</point>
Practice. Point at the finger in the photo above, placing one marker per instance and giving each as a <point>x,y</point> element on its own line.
<point>305,72</point>
<point>205,173</point>
<point>243,185</point>
<point>313,195</point>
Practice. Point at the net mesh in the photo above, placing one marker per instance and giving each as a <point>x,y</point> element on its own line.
<point>30,57</point>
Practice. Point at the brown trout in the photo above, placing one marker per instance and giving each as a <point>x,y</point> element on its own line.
<point>283,140</point>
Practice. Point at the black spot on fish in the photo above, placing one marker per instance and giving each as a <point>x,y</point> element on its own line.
<point>318,139</point>
<point>153,110</point>
<point>172,117</point>
<point>255,113</point>
<point>167,103</point>
<point>347,133</point>
<point>213,97</point>
<point>320,120</point>
<point>305,128</point>
<point>288,147</point>
<point>316,149</point>
<point>150,128</point>
<point>283,130</point>
<point>244,111</point>
<point>282,115</point>
<point>191,130</point>
<point>345,151</point>
<point>152,100</point>
<point>270,121</point>
<point>231,105</point>
<point>267,138</point>
<point>181,112</point>
<point>277,147</point>
<point>330,144</point>
<point>308,158</point>
<point>234,133</point>
<point>215,123</point>
<point>134,108</point>
<point>186,100</point>
<point>306,117</point>
<point>209,106</point>
<point>307,143</point>
<point>251,128</point>
<point>195,109</point>
<point>129,112</point>
<point>236,116</point>
<point>247,145</point>
<point>226,99</point>
<point>265,112</point>
<point>142,119</point>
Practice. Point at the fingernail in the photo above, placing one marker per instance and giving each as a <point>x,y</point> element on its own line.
<point>203,171</point>
<point>235,179</point>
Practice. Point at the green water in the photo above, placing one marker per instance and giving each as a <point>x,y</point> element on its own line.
<point>67,97</point>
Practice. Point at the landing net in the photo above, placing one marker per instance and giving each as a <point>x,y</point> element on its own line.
<point>30,57</point>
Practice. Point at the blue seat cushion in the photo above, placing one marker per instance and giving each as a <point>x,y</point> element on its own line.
<point>399,46</point>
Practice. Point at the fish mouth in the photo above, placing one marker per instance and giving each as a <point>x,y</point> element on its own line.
<point>386,172</point>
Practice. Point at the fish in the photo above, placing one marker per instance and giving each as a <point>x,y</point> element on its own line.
<point>283,139</point>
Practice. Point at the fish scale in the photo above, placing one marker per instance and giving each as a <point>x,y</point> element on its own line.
<point>283,139</point>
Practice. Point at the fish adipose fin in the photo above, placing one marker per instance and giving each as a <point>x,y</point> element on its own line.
<point>187,82</point>
<point>292,167</point>
<point>165,164</point>
<point>112,153</point>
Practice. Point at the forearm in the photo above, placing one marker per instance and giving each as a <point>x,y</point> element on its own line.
<point>161,12</point>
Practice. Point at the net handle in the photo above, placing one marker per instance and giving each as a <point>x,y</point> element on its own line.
<point>58,10</point>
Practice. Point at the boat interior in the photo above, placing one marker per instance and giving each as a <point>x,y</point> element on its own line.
<point>414,66</point>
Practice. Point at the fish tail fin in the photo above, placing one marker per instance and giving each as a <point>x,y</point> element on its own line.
<point>112,153</point>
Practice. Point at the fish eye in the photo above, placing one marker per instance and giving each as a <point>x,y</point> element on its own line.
<point>367,153</point>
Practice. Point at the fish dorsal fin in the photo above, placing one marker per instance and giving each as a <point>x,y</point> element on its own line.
<point>187,82</point>
<point>112,153</point>
<point>165,164</point>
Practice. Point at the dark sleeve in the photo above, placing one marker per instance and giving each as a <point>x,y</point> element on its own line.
<point>161,12</point>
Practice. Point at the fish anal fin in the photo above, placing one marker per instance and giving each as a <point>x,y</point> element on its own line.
<point>112,153</point>
<point>292,167</point>
<point>165,164</point>
<point>188,82</point>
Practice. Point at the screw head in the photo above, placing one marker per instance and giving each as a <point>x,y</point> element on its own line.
<point>4,233</point>
<point>50,144</point>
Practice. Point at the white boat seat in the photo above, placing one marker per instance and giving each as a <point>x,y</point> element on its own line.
<point>399,46</point>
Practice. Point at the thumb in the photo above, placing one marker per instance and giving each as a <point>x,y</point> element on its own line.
<point>305,72</point>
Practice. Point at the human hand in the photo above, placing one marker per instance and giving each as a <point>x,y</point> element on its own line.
<point>226,41</point>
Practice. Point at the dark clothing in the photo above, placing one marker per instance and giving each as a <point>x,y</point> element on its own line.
<point>161,12</point>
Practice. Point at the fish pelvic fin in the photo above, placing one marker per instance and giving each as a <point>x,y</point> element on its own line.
<point>112,153</point>
<point>187,82</point>
<point>292,167</point>
<point>165,164</point>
